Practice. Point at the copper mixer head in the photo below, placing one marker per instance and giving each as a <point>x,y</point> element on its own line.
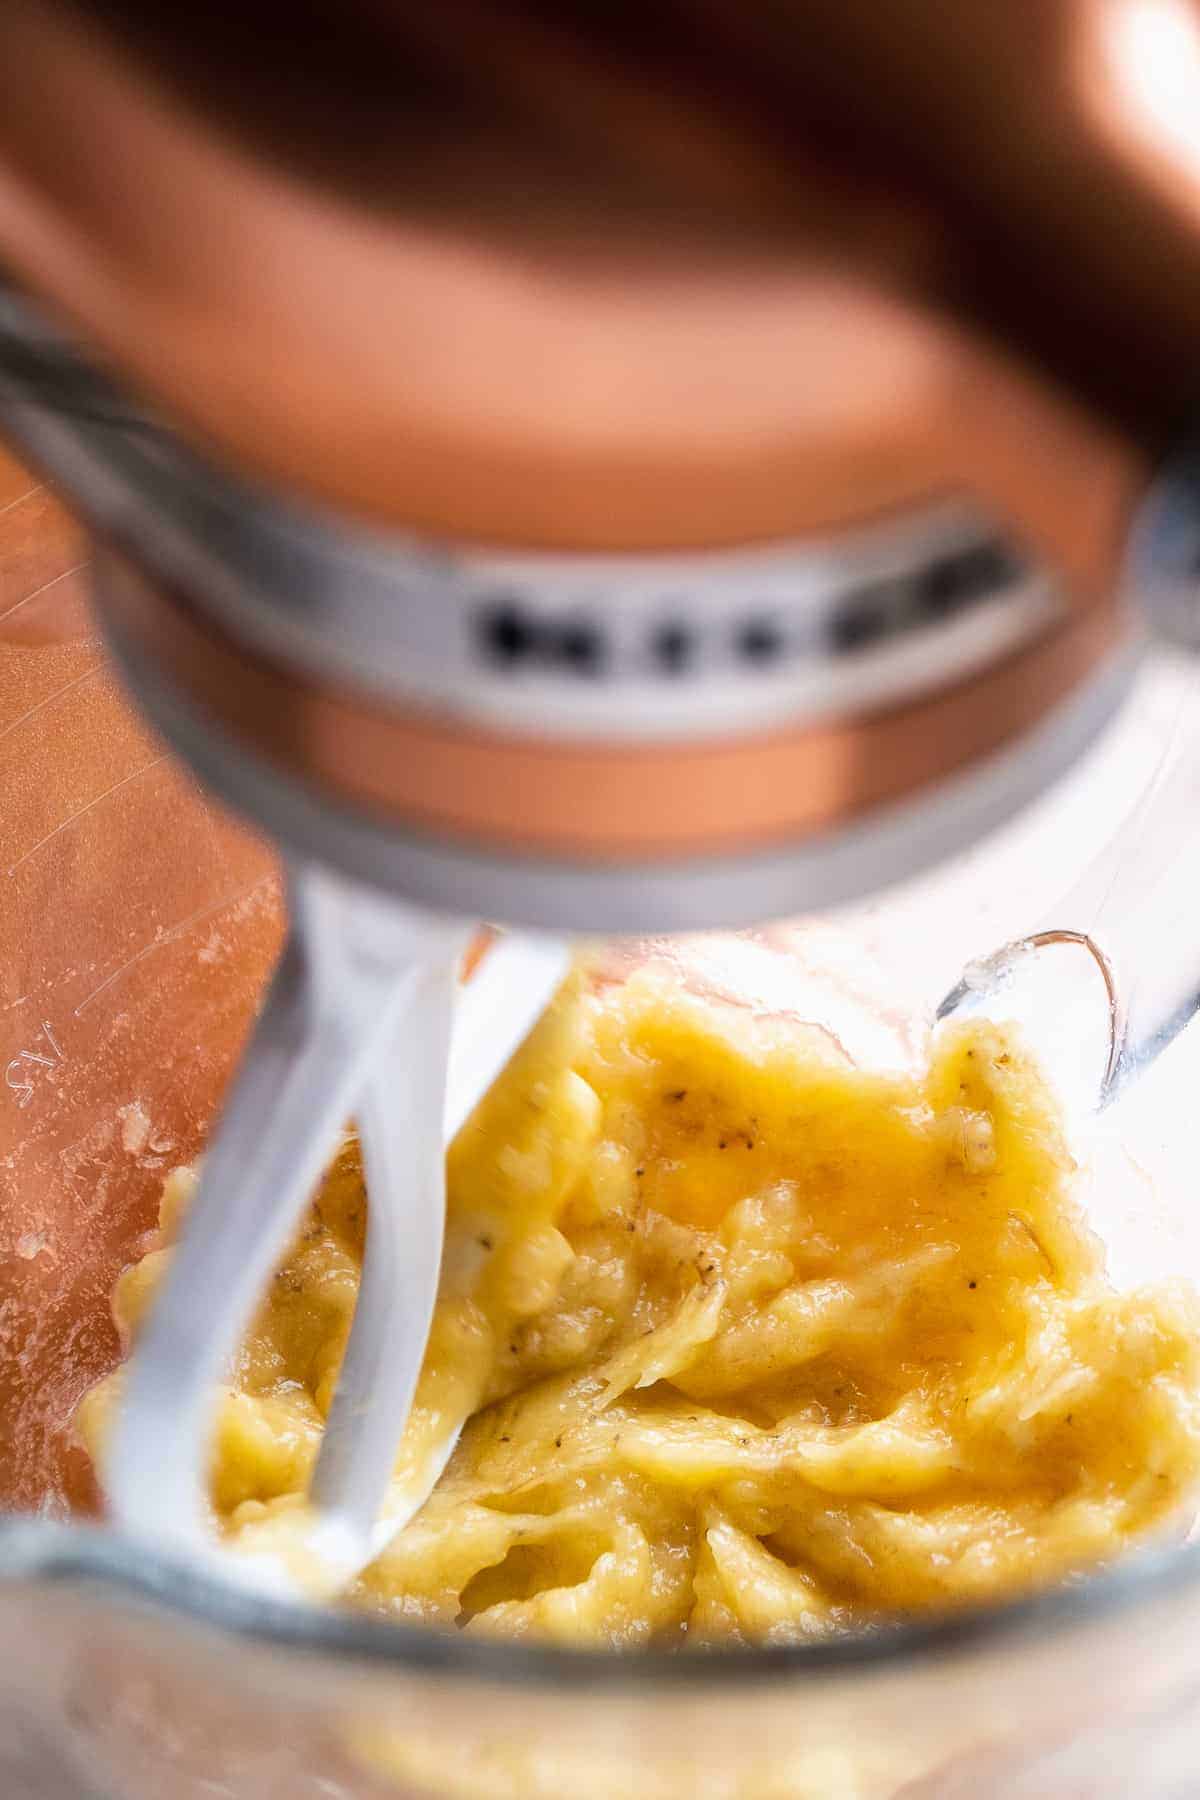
<point>648,542</point>
<point>584,741</point>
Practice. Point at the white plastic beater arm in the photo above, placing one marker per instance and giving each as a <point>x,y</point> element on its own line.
<point>399,1123</point>
<point>349,959</point>
<point>496,1011</point>
<point>405,1098</point>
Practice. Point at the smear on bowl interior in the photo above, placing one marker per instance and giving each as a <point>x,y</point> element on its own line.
<point>754,1344</point>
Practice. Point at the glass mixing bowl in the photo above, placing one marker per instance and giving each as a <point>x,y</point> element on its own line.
<point>136,928</point>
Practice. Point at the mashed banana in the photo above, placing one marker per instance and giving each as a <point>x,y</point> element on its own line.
<point>751,1344</point>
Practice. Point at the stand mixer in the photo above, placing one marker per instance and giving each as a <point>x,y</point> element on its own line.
<point>684,493</point>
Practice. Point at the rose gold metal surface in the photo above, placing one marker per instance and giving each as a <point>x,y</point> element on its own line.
<point>16,483</point>
<point>136,927</point>
<point>43,562</point>
<point>598,801</point>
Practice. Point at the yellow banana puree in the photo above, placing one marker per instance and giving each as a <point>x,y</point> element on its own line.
<point>751,1344</point>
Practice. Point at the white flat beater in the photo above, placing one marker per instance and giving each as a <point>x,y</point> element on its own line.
<point>364,1014</point>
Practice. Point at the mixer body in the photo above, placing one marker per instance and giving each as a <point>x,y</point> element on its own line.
<point>667,740</point>
<point>585,549</point>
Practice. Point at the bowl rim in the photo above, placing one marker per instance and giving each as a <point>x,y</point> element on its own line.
<point>59,1554</point>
